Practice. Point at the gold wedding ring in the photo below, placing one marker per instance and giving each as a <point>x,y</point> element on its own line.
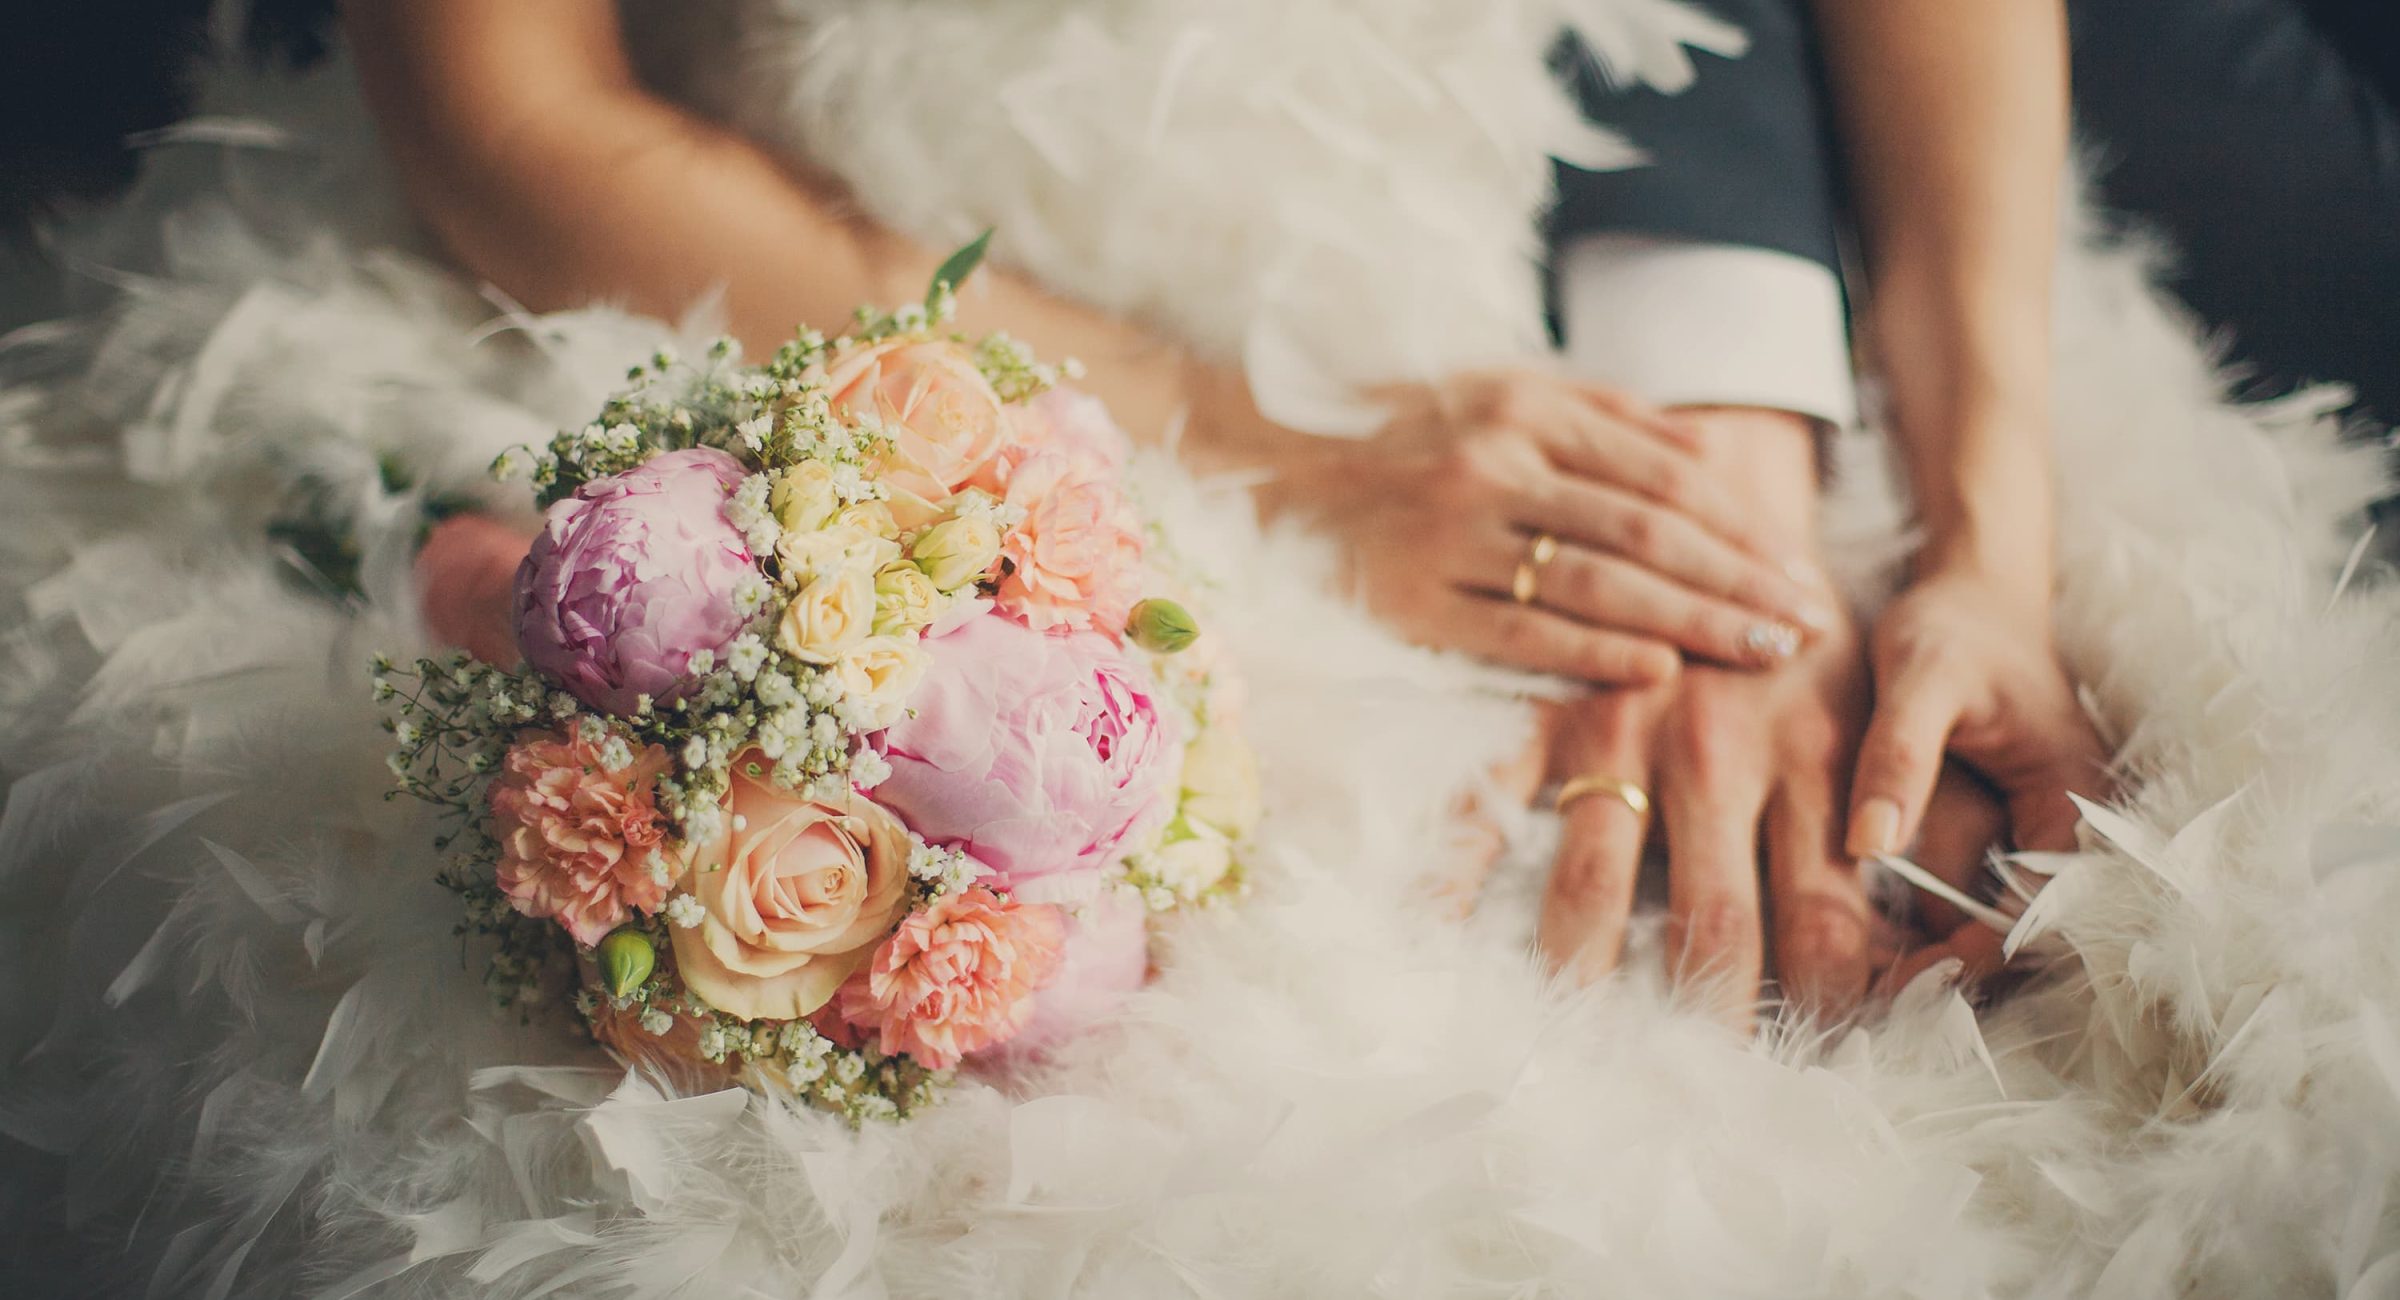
<point>1526,585</point>
<point>1633,796</point>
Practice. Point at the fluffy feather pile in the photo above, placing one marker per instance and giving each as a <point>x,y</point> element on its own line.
<point>247,1058</point>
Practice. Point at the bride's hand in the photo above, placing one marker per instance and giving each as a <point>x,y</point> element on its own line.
<point>1653,556</point>
<point>1966,671</point>
<point>465,573</point>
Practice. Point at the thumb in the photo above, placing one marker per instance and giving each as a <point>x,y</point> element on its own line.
<point>1898,762</point>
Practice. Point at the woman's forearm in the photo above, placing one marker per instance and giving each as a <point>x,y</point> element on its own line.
<point>525,141</point>
<point>1954,117</point>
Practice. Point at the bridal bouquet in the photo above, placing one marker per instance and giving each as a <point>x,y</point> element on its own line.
<point>859,731</point>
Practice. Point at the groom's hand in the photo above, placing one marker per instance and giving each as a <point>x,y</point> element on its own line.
<point>1733,762</point>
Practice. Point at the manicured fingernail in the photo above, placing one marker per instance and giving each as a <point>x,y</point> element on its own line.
<point>1804,572</point>
<point>1816,618</point>
<point>1875,828</point>
<point>1771,642</point>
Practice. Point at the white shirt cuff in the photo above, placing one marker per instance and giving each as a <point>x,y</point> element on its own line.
<point>1683,323</point>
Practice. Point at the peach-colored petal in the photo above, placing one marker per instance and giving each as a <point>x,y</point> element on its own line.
<point>947,425</point>
<point>1075,559</point>
<point>578,839</point>
<point>794,895</point>
<point>955,978</point>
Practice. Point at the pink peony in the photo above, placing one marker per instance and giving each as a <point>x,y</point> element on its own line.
<point>955,978</point>
<point>579,841</point>
<point>945,422</point>
<point>1107,957</point>
<point>1075,561</point>
<point>631,577</point>
<point>1044,756</point>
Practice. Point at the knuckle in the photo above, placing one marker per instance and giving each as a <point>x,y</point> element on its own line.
<point>1468,466</point>
<point>1513,634</point>
<point>1672,481</point>
<point>1720,923</point>
<point>1822,932</point>
<point>1640,532</point>
<point>1508,401</point>
<point>1587,881</point>
<point>1897,758</point>
<point>1581,582</point>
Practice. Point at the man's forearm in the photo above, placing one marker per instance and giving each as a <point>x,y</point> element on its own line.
<point>1954,118</point>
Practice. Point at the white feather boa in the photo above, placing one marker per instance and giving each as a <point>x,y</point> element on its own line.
<point>245,1057</point>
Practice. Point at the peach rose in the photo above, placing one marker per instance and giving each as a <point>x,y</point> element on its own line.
<point>579,840</point>
<point>794,894</point>
<point>1075,560</point>
<point>955,978</point>
<point>945,422</point>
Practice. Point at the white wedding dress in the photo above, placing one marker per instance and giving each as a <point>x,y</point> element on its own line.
<point>244,1054</point>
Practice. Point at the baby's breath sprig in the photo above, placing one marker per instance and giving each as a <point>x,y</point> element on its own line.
<point>1012,369</point>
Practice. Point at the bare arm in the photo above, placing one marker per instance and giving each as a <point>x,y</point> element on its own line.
<point>524,140</point>
<point>1954,114</point>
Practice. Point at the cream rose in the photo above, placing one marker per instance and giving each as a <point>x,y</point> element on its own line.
<point>1192,867</point>
<point>794,896</point>
<point>958,550</point>
<point>878,675</point>
<point>905,600</point>
<point>873,517</point>
<point>829,617</point>
<point>806,557</point>
<point>803,498</point>
<point>1220,782</point>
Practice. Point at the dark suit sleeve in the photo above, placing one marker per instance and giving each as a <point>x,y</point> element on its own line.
<point>1740,157</point>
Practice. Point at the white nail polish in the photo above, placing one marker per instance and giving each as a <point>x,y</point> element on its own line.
<point>1771,641</point>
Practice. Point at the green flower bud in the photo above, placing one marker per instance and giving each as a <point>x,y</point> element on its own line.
<point>1161,626</point>
<point>626,960</point>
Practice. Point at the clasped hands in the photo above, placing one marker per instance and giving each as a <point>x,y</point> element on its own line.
<point>1670,560</point>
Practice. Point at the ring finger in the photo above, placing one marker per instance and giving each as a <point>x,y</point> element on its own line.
<point>1664,542</point>
<point>1610,591</point>
<point>1601,763</point>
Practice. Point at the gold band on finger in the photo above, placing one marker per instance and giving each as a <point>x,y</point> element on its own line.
<point>1631,795</point>
<point>1525,587</point>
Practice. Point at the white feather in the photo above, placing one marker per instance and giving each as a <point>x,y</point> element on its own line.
<point>1332,1090</point>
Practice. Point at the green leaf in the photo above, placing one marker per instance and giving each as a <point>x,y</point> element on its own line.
<point>961,264</point>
